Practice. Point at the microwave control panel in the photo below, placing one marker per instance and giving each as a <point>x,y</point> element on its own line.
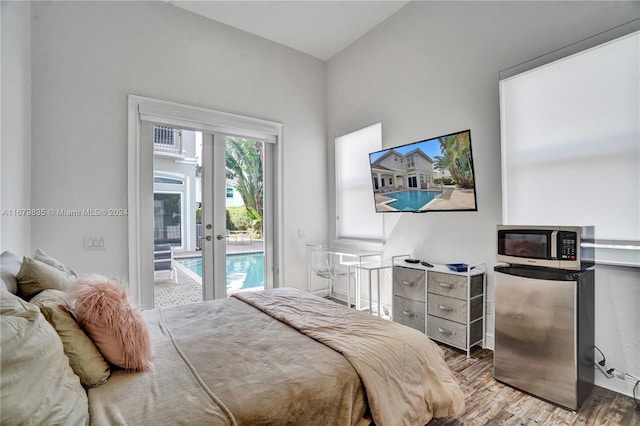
<point>568,242</point>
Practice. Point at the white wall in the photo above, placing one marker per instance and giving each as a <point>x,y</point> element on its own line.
<point>87,56</point>
<point>432,69</point>
<point>15,123</point>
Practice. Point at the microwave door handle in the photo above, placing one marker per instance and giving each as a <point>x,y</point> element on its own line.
<point>554,245</point>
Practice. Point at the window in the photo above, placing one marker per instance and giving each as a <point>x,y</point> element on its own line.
<point>570,132</point>
<point>356,217</point>
<point>167,223</point>
<point>171,181</point>
<point>229,192</point>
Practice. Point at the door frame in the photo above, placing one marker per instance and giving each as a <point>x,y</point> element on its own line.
<point>140,180</point>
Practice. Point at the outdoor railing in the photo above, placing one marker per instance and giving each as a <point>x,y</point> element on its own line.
<point>167,139</point>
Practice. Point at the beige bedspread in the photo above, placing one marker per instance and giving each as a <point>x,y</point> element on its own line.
<point>171,393</point>
<point>406,378</point>
<point>234,363</point>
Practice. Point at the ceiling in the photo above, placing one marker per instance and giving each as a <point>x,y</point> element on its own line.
<point>320,28</point>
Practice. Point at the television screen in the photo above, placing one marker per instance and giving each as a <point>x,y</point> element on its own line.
<point>431,175</point>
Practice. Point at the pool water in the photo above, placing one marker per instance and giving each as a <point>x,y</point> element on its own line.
<point>411,200</point>
<point>245,270</point>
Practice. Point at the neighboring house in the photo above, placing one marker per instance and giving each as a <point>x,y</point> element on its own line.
<point>441,174</point>
<point>234,199</point>
<point>174,188</point>
<point>394,170</point>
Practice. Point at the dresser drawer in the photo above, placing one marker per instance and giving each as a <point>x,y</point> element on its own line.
<point>454,285</point>
<point>452,308</point>
<point>408,312</point>
<point>409,283</point>
<point>452,332</point>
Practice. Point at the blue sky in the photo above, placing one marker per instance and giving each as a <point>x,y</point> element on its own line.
<point>430,147</point>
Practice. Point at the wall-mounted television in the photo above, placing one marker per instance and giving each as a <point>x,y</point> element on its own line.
<point>430,175</point>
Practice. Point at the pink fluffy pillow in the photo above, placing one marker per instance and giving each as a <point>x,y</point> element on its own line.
<point>116,328</point>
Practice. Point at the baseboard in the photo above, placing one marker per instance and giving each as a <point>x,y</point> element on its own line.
<point>624,387</point>
<point>615,384</point>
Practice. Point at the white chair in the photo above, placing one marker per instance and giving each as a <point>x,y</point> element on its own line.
<point>321,264</point>
<point>163,260</point>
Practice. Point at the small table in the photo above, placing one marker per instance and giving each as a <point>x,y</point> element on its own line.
<point>370,268</point>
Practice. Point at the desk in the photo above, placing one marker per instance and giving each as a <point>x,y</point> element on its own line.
<point>327,262</point>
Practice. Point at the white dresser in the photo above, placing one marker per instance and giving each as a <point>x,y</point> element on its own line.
<point>448,306</point>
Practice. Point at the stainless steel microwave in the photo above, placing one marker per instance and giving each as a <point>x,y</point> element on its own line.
<point>558,247</point>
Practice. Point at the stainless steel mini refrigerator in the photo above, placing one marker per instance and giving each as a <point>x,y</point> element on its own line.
<point>544,332</point>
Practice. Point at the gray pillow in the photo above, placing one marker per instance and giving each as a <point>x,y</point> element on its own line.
<point>45,258</point>
<point>35,276</point>
<point>9,265</point>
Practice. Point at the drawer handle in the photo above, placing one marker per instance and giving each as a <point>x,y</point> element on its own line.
<point>408,283</point>
<point>445,332</point>
<point>407,313</point>
<point>445,308</point>
<point>444,285</point>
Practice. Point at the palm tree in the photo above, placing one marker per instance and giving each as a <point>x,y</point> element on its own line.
<point>244,166</point>
<point>456,157</point>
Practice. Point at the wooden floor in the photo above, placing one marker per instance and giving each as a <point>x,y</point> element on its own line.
<point>489,402</point>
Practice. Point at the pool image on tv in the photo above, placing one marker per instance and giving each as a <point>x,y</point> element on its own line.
<point>430,175</point>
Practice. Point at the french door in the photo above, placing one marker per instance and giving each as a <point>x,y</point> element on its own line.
<point>214,235</point>
<point>235,255</point>
<point>216,129</point>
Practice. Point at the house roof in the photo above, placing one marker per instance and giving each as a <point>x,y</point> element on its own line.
<point>394,151</point>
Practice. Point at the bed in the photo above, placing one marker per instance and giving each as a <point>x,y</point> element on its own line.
<point>293,358</point>
<point>277,357</point>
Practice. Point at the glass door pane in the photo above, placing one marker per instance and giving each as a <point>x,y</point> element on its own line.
<point>176,244</point>
<point>209,216</point>
<point>244,189</point>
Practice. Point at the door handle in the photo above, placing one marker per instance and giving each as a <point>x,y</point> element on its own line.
<point>218,237</point>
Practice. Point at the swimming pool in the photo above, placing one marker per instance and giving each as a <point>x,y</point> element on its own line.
<point>244,270</point>
<point>411,200</point>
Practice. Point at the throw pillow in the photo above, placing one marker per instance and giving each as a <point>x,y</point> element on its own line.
<point>9,265</point>
<point>43,257</point>
<point>84,358</point>
<point>37,384</point>
<point>35,276</point>
<point>116,328</point>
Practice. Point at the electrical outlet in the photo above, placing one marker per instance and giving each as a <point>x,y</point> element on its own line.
<point>604,371</point>
<point>619,375</point>
<point>94,243</point>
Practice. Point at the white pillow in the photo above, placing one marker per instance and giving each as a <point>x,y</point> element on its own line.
<point>37,383</point>
<point>9,266</point>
